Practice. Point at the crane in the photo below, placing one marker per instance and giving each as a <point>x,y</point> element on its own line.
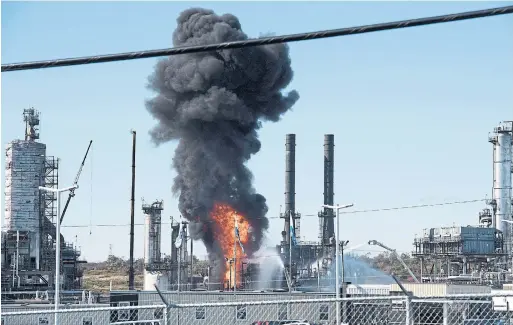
<point>394,252</point>
<point>72,191</point>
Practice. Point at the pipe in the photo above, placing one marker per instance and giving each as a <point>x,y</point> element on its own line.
<point>192,262</point>
<point>235,255</point>
<point>179,267</point>
<point>132,207</point>
<point>18,257</point>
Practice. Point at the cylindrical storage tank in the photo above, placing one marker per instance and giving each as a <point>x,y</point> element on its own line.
<point>502,181</point>
<point>150,279</point>
<point>24,173</point>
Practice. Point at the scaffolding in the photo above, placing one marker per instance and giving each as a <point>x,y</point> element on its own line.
<point>49,214</point>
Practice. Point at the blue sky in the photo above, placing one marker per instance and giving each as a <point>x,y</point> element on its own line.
<point>410,109</point>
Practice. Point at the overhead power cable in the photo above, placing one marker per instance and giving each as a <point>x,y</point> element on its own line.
<point>413,206</point>
<point>345,212</point>
<point>260,41</point>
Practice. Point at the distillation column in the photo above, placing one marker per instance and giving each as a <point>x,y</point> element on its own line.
<point>24,173</point>
<point>502,141</point>
<point>152,245</point>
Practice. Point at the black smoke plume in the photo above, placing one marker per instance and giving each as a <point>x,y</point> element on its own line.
<point>214,103</point>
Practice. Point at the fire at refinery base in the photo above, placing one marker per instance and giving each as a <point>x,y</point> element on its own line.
<point>231,232</point>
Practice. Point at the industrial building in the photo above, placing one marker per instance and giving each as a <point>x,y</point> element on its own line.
<point>29,240</point>
<point>482,253</point>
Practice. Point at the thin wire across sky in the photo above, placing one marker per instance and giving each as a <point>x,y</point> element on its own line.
<point>260,41</point>
<point>345,212</point>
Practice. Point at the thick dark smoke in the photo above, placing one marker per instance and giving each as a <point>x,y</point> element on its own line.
<point>213,103</point>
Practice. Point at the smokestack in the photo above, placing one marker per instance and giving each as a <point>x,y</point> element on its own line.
<point>290,181</point>
<point>213,104</point>
<point>329,160</point>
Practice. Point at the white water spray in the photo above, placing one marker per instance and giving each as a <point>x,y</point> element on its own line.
<point>271,269</point>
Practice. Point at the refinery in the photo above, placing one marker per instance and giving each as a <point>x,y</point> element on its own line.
<point>212,104</point>
<point>480,255</point>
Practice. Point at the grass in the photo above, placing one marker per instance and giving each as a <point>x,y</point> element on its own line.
<point>100,280</point>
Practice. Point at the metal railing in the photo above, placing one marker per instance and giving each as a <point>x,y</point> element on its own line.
<point>389,310</point>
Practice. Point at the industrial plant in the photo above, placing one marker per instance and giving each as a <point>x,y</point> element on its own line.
<point>30,236</point>
<point>480,255</point>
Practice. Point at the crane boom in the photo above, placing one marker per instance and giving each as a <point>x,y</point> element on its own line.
<point>72,191</point>
<point>394,252</point>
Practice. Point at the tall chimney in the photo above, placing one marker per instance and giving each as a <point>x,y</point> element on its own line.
<point>290,181</point>
<point>329,160</point>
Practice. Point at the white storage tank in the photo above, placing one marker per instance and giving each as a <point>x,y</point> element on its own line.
<point>150,279</point>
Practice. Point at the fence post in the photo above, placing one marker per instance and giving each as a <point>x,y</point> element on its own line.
<point>446,313</point>
<point>409,310</point>
<point>165,314</point>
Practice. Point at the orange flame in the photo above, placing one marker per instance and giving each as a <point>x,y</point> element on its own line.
<point>224,232</point>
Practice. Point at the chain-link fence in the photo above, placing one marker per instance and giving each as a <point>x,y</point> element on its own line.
<point>447,310</point>
<point>148,315</point>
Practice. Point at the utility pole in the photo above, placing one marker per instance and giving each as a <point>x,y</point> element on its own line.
<point>191,272</point>
<point>337,248</point>
<point>179,262</point>
<point>58,247</point>
<point>132,207</point>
